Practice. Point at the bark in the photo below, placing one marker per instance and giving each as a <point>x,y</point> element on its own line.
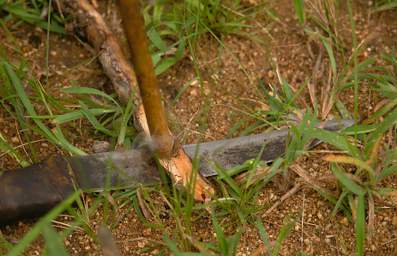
<point>110,54</point>
<point>120,72</point>
<point>134,27</point>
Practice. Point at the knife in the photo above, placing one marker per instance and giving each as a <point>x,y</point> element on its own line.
<point>32,191</point>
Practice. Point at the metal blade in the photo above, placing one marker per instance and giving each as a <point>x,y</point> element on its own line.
<point>133,167</point>
<point>31,191</point>
<point>114,169</point>
<point>232,152</point>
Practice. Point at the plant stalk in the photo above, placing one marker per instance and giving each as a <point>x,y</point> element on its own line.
<point>134,27</point>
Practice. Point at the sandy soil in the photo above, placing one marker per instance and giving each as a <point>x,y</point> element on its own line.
<point>209,112</point>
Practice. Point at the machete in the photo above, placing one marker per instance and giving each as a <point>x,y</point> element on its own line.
<point>33,190</point>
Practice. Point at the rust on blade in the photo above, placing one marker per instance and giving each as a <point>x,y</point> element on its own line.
<point>32,191</point>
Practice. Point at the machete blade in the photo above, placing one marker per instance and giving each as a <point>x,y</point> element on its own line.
<point>232,152</point>
<point>114,169</point>
<point>31,191</point>
<point>132,167</point>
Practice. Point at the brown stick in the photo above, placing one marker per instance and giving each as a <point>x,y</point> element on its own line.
<point>110,54</point>
<point>179,165</point>
<point>134,26</point>
<point>119,70</point>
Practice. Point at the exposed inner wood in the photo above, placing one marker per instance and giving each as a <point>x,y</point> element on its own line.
<point>120,72</point>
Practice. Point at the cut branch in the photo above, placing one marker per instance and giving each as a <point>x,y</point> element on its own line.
<point>118,69</point>
<point>134,27</point>
<point>110,54</point>
<point>178,165</point>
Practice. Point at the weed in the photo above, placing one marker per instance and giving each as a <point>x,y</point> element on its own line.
<point>363,183</point>
<point>15,96</point>
<point>238,197</point>
<point>274,248</point>
<point>385,5</point>
<point>173,26</point>
<point>43,224</point>
<point>33,12</point>
<point>386,82</point>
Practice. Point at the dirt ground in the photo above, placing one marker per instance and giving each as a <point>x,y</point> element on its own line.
<point>230,87</point>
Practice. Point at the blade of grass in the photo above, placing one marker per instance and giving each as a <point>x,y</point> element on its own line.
<point>53,242</point>
<point>330,51</point>
<point>74,115</point>
<point>94,122</point>
<point>354,161</point>
<point>387,172</point>
<point>41,224</point>
<point>360,226</point>
<point>56,137</point>
<point>339,202</point>
<point>89,91</point>
<point>284,232</point>
<point>388,122</point>
<point>6,148</point>
<point>336,140</point>
<point>264,236</point>
<point>222,175</point>
<point>128,111</point>
<point>346,181</point>
<point>300,11</point>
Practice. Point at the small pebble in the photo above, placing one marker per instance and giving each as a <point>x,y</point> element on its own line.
<point>344,221</point>
<point>15,139</point>
<point>100,146</point>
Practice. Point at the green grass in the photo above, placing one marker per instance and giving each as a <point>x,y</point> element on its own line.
<point>30,12</point>
<point>274,249</point>
<point>173,27</point>
<point>385,5</point>
<point>361,169</point>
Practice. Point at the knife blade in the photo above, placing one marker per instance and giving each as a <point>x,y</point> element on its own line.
<point>33,190</point>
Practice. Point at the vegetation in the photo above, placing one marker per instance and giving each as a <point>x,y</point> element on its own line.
<point>363,161</point>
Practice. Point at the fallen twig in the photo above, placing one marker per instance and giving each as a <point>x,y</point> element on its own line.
<point>287,195</point>
<point>87,19</point>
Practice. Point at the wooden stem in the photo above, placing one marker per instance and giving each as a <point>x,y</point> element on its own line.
<point>87,20</point>
<point>118,69</point>
<point>111,56</point>
<point>134,27</point>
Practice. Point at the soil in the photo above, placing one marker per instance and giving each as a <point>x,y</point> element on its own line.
<point>208,111</point>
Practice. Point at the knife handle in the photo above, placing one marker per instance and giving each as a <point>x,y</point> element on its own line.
<point>32,191</point>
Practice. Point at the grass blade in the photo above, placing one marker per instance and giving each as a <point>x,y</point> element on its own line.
<point>346,181</point>
<point>300,11</point>
<point>56,137</point>
<point>388,122</point>
<point>336,140</point>
<point>6,148</point>
<point>387,172</point>
<point>74,115</point>
<point>264,235</point>
<point>53,242</point>
<point>360,226</point>
<point>354,161</point>
<point>89,91</point>
<point>284,232</point>
<point>331,55</point>
<point>41,224</point>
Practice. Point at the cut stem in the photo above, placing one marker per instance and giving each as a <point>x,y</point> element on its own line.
<point>134,27</point>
